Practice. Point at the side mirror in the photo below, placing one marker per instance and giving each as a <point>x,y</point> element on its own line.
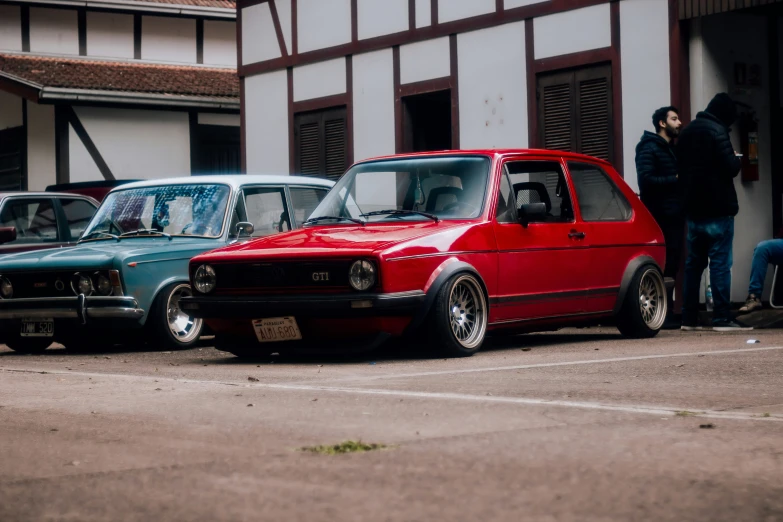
<point>7,234</point>
<point>245,228</point>
<point>528,213</point>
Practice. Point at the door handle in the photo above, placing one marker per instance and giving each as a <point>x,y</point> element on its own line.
<point>577,235</point>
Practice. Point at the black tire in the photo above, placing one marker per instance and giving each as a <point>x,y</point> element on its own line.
<point>459,332</point>
<point>159,334</point>
<point>28,345</point>
<point>643,310</point>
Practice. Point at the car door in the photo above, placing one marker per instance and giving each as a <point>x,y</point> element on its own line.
<point>541,267</point>
<point>76,214</point>
<point>607,214</point>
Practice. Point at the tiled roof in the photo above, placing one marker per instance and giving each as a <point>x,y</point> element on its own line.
<point>225,4</point>
<point>74,73</point>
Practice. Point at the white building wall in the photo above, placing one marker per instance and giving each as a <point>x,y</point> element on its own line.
<point>493,87</point>
<point>286,24</point>
<point>54,31</point>
<point>423,13</point>
<point>266,118</point>
<point>136,143</point>
<point>220,43</point>
<point>450,10</point>
<point>511,4</point>
<point>381,17</point>
<point>10,28</point>
<point>425,60</point>
<point>10,111</point>
<point>592,30</point>
<point>168,39</point>
<point>319,79</point>
<point>41,159</point>
<point>109,35</point>
<point>373,104</point>
<point>259,40</point>
<point>323,23</point>
<point>81,166</point>
<point>645,72</point>
<point>719,42</point>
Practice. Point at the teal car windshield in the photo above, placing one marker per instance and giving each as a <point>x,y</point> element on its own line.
<point>196,210</point>
<point>411,189</point>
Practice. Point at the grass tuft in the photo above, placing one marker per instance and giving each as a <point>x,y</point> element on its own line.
<point>349,446</point>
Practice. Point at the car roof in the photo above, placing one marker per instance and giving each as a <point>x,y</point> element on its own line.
<point>493,152</point>
<point>235,180</point>
<point>39,194</point>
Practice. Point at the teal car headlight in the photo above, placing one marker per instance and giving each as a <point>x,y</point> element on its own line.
<point>101,284</point>
<point>205,279</point>
<point>6,288</point>
<point>81,284</point>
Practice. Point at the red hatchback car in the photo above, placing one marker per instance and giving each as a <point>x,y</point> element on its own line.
<point>448,245</point>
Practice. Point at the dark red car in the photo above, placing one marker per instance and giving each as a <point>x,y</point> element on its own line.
<point>445,246</point>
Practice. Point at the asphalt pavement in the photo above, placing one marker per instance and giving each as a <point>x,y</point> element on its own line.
<point>578,425</point>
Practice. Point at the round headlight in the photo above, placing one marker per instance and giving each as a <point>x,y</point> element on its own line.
<point>205,279</point>
<point>6,288</point>
<point>102,284</point>
<point>362,275</point>
<point>82,284</point>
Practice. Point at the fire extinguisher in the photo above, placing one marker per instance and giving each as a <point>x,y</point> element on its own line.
<point>749,146</point>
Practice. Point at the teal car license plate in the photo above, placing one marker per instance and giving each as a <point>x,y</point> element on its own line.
<point>39,327</point>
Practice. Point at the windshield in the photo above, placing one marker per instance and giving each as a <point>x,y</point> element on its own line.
<point>443,187</point>
<point>176,210</point>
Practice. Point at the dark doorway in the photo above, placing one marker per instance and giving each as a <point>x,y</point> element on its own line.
<point>216,150</point>
<point>427,122</point>
<point>12,143</point>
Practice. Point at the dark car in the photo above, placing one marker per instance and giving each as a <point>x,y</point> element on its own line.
<point>37,220</point>
<point>93,189</point>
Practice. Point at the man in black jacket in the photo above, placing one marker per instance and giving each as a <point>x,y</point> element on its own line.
<point>708,165</point>
<point>656,171</point>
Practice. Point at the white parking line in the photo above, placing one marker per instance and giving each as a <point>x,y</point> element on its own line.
<point>548,365</point>
<point>623,408</point>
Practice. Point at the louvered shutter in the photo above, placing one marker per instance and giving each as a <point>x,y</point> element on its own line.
<point>594,112</point>
<point>321,147</point>
<point>558,116</point>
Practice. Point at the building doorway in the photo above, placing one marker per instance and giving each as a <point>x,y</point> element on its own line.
<point>427,122</point>
<point>12,143</point>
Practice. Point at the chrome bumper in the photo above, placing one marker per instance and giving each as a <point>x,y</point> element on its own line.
<point>78,307</point>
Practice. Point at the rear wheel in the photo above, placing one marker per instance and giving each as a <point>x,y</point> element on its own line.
<point>170,327</point>
<point>644,310</point>
<point>458,321</point>
<point>27,344</point>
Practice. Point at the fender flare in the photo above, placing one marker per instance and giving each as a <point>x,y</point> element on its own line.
<point>448,270</point>
<point>162,286</point>
<point>633,266</point>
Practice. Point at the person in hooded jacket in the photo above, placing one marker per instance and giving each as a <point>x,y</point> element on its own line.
<point>707,165</point>
<point>656,171</point>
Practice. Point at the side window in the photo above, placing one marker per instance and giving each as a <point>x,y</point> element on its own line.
<point>78,214</point>
<point>506,209</point>
<point>598,197</point>
<point>304,201</point>
<point>266,209</point>
<point>34,220</point>
<point>542,182</point>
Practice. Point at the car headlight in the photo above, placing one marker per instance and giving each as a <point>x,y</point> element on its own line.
<point>362,275</point>
<point>6,288</point>
<point>81,284</point>
<point>205,279</point>
<point>101,283</point>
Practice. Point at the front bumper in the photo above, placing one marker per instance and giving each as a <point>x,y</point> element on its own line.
<point>80,308</point>
<point>311,305</point>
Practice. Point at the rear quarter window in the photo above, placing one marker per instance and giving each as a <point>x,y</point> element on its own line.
<point>598,197</point>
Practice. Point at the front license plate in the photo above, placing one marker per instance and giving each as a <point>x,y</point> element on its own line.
<point>37,327</point>
<point>276,329</point>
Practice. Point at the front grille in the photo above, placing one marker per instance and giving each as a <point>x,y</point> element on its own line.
<point>278,276</point>
<point>41,284</point>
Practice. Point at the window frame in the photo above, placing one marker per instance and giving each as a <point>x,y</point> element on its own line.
<point>567,163</point>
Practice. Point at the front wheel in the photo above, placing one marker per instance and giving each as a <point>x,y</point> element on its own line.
<point>459,316</point>
<point>171,328</point>
<point>27,345</point>
<point>643,311</point>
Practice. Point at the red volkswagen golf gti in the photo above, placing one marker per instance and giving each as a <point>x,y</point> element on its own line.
<point>443,247</point>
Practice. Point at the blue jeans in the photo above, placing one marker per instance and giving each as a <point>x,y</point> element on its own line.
<point>708,240</point>
<point>766,252</point>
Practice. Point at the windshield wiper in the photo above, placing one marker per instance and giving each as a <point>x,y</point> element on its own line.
<point>145,231</point>
<point>397,212</point>
<point>96,233</point>
<point>322,218</point>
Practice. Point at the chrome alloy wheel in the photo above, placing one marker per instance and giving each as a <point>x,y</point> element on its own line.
<point>467,312</point>
<point>652,299</point>
<point>183,327</point>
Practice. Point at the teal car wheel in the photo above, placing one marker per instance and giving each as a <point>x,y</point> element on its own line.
<point>172,327</point>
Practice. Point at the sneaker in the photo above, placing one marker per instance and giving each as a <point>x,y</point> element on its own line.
<point>691,327</point>
<point>730,326</point>
<point>752,303</point>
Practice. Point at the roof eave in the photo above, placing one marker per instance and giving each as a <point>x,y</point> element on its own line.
<point>55,94</point>
<point>147,7</point>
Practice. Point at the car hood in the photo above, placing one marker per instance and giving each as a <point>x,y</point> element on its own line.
<point>107,253</point>
<point>335,241</point>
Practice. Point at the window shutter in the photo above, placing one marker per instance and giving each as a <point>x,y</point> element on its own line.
<point>335,148</point>
<point>595,112</point>
<point>558,117</point>
<point>321,147</point>
<point>309,149</point>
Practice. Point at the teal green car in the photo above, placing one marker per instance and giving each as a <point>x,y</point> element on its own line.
<point>123,280</point>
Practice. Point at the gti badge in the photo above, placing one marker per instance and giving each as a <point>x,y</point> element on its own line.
<point>320,276</point>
